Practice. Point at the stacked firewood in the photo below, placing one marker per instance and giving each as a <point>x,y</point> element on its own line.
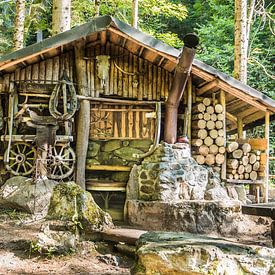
<point>242,162</point>
<point>208,133</point>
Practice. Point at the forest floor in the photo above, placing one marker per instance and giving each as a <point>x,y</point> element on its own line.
<point>16,256</point>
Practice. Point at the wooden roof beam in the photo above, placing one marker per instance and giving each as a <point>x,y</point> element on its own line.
<point>210,85</point>
<point>103,38</point>
<point>253,117</point>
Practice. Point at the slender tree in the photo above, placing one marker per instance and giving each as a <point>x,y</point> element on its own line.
<point>240,41</point>
<point>97,7</point>
<point>135,13</point>
<point>61,16</point>
<point>18,38</point>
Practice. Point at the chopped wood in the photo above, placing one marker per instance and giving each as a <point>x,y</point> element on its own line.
<point>241,176</point>
<point>221,132</point>
<point>210,159</point>
<point>236,176</point>
<point>230,176</point>
<point>245,160</point>
<point>257,152</point>
<point>220,117</point>
<point>206,101</point>
<point>241,169</point>
<point>201,133</point>
<point>218,108</point>
<point>258,157</point>
<point>210,125</point>
<point>208,141</point>
<point>221,149</point>
<point>206,116</point>
<point>237,154</point>
<point>197,142</point>
<point>197,116</point>
<point>232,146</point>
<point>219,141</point>
<point>253,175</point>
<point>220,158</point>
<point>214,117</point>
<point>199,159</point>
<point>219,124</point>
<point>213,133</point>
<point>213,149</point>
<point>248,168</point>
<point>246,176</point>
<point>233,163</point>
<point>199,124</point>
<point>210,109</point>
<point>252,158</point>
<point>246,147</point>
<point>256,166</point>
<point>204,150</point>
<point>199,108</point>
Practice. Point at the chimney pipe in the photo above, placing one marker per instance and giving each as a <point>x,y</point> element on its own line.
<point>182,73</point>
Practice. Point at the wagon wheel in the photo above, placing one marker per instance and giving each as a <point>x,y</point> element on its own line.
<point>62,162</point>
<point>22,159</point>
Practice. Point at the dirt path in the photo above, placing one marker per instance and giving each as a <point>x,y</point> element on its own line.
<point>15,257</point>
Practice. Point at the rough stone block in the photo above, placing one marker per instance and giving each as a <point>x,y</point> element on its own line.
<point>111,145</point>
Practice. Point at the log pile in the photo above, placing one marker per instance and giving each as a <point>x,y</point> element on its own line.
<point>208,133</point>
<point>242,162</point>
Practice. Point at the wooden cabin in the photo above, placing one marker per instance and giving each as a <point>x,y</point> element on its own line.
<point>87,99</point>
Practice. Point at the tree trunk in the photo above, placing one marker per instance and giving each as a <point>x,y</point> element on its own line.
<point>61,16</point>
<point>135,13</point>
<point>83,122</point>
<point>97,7</point>
<point>18,37</point>
<point>240,41</point>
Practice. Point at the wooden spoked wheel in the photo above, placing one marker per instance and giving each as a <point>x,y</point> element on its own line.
<point>22,157</point>
<point>62,161</point>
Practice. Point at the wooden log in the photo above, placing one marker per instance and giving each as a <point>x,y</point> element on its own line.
<point>201,133</point>
<point>208,141</point>
<point>219,124</point>
<point>230,176</point>
<point>206,101</point>
<point>248,168</point>
<point>210,159</point>
<point>220,117</point>
<point>232,163</point>
<point>199,124</point>
<point>252,158</point>
<point>210,124</point>
<point>213,149</point>
<point>236,176</point>
<point>197,142</point>
<point>237,154</point>
<point>246,147</point>
<point>219,141</point>
<point>246,176</point>
<point>197,116</point>
<point>253,175</point>
<point>256,166</point>
<point>221,133</point>
<point>204,150</point>
<point>206,116</point>
<point>218,108</point>
<point>213,133</point>
<point>241,169</point>
<point>258,157</point>
<point>199,159</point>
<point>219,158</point>
<point>245,160</point>
<point>213,117</point>
<point>232,146</point>
<point>232,171</point>
<point>241,176</point>
<point>199,108</point>
<point>222,150</point>
<point>210,110</point>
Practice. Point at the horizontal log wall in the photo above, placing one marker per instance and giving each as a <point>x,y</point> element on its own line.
<point>121,122</point>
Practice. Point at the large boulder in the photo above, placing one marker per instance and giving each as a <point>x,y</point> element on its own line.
<point>183,253</point>
<point>26,194</point>
<point>69,202</point>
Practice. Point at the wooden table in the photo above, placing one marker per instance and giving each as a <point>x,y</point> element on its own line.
<point>264,210</point>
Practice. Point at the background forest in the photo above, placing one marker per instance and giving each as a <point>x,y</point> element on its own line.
<point>169,21</point>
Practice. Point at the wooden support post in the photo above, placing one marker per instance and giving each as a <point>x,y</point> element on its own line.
<point>267,121</point>
<point>83,121</point>
<point>223,103</point>
<point>189,107</point>
<point>240,127</point>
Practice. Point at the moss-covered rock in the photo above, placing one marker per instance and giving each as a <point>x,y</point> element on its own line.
<point>93,161</point>
<point>120,176</point>
<point>117,161</point>
<point>69,202</point>
<point>128,153</point>
<point>141,143</point>
<point>111,145</point>
<point>93,149</point>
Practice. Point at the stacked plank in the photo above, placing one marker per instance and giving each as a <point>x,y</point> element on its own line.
<point>208,133</point>
<point>242,162</point>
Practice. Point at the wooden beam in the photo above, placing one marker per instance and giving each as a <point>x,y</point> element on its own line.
<point>107,167</point>
<point>207,87</point>
<point>267,122</point>
<point>231,118</point>
<point>240,127</point>
<point>223,103</point>
<point>247,112</point>
<point>103,38</point>
<point>253,117</point>
<point>189,107</point>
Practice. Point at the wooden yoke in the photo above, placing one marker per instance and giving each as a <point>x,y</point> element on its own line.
<point>83,121</point>
<point>182,72</point>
